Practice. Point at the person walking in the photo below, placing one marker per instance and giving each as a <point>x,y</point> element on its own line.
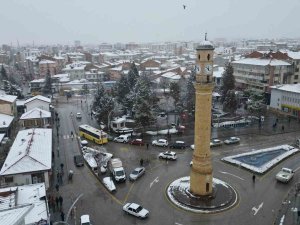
<point>141,162</point>
<point>147,146</point>
<point>57,186</point>
<point>62,216</point>
<point>56,201</point>
<point>282,128</point>
<point>60,201</point>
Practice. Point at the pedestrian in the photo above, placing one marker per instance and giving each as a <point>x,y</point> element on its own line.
<point>58,119</point>
<point>141,162</point>
<point>52,202</point>
<point>147,146</point>
<point>62,216</point>
<point>253,178</point>
<point>60,201</point>
<point>57,176</point>
<point>60,179</point>
<point>282,128</point>
<point>62,166</point>
<point>57,201</point>
<point>57,186</point>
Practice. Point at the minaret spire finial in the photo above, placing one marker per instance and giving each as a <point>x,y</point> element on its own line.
<point>205,36</point>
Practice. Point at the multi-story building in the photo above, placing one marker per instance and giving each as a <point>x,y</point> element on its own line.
<point>75,71</point>
<point>259,74</point>
<point>286,99</point>
<point>46,66</point>
<point>4,58</point>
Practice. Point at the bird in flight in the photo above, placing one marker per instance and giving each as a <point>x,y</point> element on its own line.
<point>184,6</point>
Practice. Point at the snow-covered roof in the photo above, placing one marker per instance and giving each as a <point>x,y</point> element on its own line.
<point>20,102</point>
<point>219,73</point>
<point>294,55</point>
<point>42,80</point>
<point>261,62</point>
<point>295,88</point>
<point>26,200</point>
<point>5,120</point>
<point>44,61</point>
<point>61,75</point>
<point>171,75</point>
<point>35,114</point>
<point>31,151</point>
<point>8,98</point>
<point>38,97</point>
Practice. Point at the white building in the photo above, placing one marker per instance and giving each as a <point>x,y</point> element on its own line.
<point>29,160</point>
<point>38,101</point>
<point>24,205</point>
<point>286,98</point>
<point>75,71</point>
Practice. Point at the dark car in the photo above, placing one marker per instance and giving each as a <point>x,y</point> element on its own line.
<point>137,142</point>
<point>78,160</point>
<point>178,145</point>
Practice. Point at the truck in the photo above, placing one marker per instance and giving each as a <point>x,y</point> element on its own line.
<point>116,169</point>
<point>285,175</point>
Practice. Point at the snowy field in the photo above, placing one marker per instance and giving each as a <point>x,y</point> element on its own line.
<point>289,150</point>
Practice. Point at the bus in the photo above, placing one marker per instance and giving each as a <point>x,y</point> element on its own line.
<point>93,134</point>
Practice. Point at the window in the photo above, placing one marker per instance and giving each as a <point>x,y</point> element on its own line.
<point>199,57</point>
<point>207,187</point>
<point>9,179</point>
<point>296,77</point>
<point>208,57</point>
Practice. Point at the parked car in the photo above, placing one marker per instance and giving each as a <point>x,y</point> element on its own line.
<point>162,114</point>
<point>137,142</point>
<point>215,142</point>
<point>168,155</point>
<point>178,145</point>
<point>85,220</point>
<point>135,210</point>
<point>109,184</point>
<point>232,140</point>
<point>121,139</point>
<point>285,175</point>
<point>160,142</point>
<point>78,115</point>
<point>78,160</point>
<point>137,173</point>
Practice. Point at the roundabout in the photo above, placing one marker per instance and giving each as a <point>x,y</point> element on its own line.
<point>223,197</point>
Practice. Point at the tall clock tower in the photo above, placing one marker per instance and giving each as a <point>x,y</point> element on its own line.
<point>201,177</point>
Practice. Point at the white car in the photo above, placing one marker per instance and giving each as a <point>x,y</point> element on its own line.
<point>135,210</point>
<point>121,139</point>
<point>78,115</point>
<point>215,142</point>
<point>109,184</point>
<point>160,142</point>
<point>168,155</point>
<point>232,140</point>
<point>85,220</point>
<point>136,173</point>
<point>285,175</point>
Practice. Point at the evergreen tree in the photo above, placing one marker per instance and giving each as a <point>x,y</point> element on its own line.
<point>103,104</point>
<point>144,104</point>
<point>48,84</point>
<point>121,90</point>
<point>175,92</point>
<point>228,81</point>
<point>132,76</point>
<point>3,73</point>
<point>189,99</point>
<point>230,103</point>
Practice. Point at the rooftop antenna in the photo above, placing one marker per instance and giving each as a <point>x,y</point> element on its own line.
<point>205,36</point>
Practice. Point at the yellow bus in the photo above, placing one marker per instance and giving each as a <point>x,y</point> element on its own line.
<point>93,134</point>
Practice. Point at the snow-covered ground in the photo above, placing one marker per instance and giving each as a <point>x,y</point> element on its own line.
<point>289,151</point>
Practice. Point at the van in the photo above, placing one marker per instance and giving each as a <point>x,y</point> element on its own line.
<point>122,139</point>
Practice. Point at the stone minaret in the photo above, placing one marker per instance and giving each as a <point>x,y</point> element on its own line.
<point>201,173</point>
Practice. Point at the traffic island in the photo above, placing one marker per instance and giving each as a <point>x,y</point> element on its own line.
<point>222,198</point>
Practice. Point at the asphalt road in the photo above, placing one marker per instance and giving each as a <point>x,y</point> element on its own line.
<point>258,203</point>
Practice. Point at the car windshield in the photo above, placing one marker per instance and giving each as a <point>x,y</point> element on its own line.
<point>135,172</point>
<point>87,223</point>
<point>139,209</point>
<point>119,173</point>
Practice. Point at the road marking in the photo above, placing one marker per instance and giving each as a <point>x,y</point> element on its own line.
<point>127,195</point>
<point>297,169</point>
<point>257,209</point>
<point>154,181</point>
<point>178,223</point>
<point>231,175</point>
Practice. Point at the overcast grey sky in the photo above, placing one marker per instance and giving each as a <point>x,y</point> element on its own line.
<point>96,21</point>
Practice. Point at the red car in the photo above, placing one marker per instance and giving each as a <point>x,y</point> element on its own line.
<point>137,142</point>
